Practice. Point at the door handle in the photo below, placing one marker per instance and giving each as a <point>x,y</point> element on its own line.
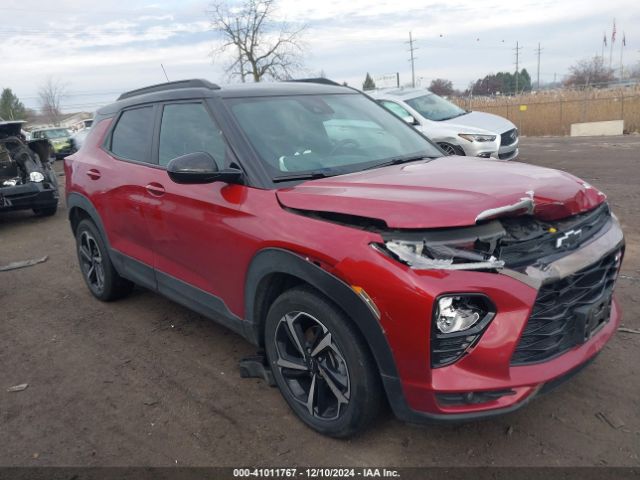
<point>93,174</point>
<point>155,189</point>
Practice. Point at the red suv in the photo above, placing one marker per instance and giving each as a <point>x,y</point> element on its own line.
<point>326,231</point>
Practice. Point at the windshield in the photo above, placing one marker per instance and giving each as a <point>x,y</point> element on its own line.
<point>57,133</point>
<point>433,107</point>
<point>326,134</point>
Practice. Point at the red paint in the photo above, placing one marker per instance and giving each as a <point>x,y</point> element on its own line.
<point>206,235</point>
<point>447,192</point>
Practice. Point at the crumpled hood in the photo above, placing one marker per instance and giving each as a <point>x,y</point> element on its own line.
<point>447,192</point>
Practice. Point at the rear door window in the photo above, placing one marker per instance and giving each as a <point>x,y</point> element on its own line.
<point>132,136</point>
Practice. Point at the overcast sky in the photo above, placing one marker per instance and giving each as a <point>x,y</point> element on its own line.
<point>101,49</point>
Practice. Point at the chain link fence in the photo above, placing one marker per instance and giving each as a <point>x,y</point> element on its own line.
<point>552,113</point>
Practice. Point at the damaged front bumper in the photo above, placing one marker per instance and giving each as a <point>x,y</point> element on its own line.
<point>29,195</point>
<point>551,318</point>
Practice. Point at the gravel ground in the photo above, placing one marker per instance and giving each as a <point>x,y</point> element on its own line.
<point>144,381</point>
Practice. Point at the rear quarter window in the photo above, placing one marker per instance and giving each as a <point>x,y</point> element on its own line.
<point>131,136</point>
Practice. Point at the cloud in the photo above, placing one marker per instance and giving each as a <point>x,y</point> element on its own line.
<point>120,43</point>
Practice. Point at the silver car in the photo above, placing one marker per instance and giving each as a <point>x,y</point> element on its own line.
<point>456,131</point>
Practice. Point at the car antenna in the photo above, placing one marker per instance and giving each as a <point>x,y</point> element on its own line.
<point>165,73</point>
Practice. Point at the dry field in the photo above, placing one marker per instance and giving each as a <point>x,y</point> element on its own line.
<point>553,112</point>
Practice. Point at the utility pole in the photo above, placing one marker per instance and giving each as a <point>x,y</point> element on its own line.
<point>538,51</point>
<point>412,59</point>
<point>517,49</point>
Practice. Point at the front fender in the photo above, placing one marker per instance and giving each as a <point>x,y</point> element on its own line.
<point>276,260</point>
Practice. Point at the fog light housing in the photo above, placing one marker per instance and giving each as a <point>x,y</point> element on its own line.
<point>459,320</point>
<point>455,314</point>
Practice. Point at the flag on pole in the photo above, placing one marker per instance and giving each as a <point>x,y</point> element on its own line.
<point>604,39</point>
<point>613,33</point>
<point>624,40</point>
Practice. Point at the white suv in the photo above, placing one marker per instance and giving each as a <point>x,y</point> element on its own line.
<point>456,131</point>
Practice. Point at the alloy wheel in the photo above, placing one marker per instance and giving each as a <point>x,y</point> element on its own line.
<point>448,148</point>
<point>313,367</point>
<point>91,261</point>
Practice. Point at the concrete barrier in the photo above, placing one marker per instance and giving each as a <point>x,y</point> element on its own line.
<point>593,129</point>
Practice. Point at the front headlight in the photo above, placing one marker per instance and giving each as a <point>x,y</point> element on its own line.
<point>36,177</point>
<point>472,137</point>
<point>433,256</point>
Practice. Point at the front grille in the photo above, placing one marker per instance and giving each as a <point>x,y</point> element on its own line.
<point>568,311</point>
<point>509,137</point>
<point>530,240</point>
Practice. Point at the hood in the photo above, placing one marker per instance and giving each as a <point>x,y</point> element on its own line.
<point>447,192</point>
<point>486,121</point>
<point>443,130</point>
<point>11,128</point>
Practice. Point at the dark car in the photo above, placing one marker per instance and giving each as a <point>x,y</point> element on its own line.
<point>328,232</point>
<point>27,180</point>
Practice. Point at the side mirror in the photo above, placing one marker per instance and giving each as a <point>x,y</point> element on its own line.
<point>200,167</point>
<point>410,120</point>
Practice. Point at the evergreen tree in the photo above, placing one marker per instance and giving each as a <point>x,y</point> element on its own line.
<point>11,108</point>
<point>368,84</point>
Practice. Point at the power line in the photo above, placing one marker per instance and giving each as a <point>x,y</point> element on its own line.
<point>412,60</point>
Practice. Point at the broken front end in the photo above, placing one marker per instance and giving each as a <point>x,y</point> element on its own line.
<point>517,305</point>
<point>27,180</point>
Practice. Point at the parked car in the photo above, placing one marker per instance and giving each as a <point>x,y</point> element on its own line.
<point>27,180</point>
<point>60,138</point>
<point>455,130</point>
<point>326,231</point>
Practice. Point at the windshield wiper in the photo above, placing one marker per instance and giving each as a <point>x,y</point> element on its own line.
<point>300,176</point>
<point>399,160</point>
<point>454,116</point>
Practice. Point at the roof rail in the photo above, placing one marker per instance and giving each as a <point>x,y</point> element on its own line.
<point>323,81</point>
<point>192,83</point>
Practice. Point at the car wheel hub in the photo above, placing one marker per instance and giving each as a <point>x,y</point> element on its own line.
<point>91,261</point>
<point>312,366</point>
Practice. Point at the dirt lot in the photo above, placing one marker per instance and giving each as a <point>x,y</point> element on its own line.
<point>144,381</point>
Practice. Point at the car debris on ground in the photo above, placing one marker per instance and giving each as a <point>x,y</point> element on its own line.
<point>18,388</point>
<point>23,264</point>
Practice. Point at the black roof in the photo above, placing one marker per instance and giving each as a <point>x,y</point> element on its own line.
<point>196,88</point>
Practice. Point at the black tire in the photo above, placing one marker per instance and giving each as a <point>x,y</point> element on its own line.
<point>46,211</point>
<point>342,364</point>
<point>97,270</point>
<point>450,149</point>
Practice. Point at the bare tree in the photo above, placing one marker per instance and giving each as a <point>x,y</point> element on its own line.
<point>442,87</point>
<point>259,44</point>
<point>589,72</point>
<point>51,93</point>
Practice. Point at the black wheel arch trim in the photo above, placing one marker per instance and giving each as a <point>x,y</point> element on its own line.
<point>276,260</point>
<point>134,271</point>
<point>77,200</point>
